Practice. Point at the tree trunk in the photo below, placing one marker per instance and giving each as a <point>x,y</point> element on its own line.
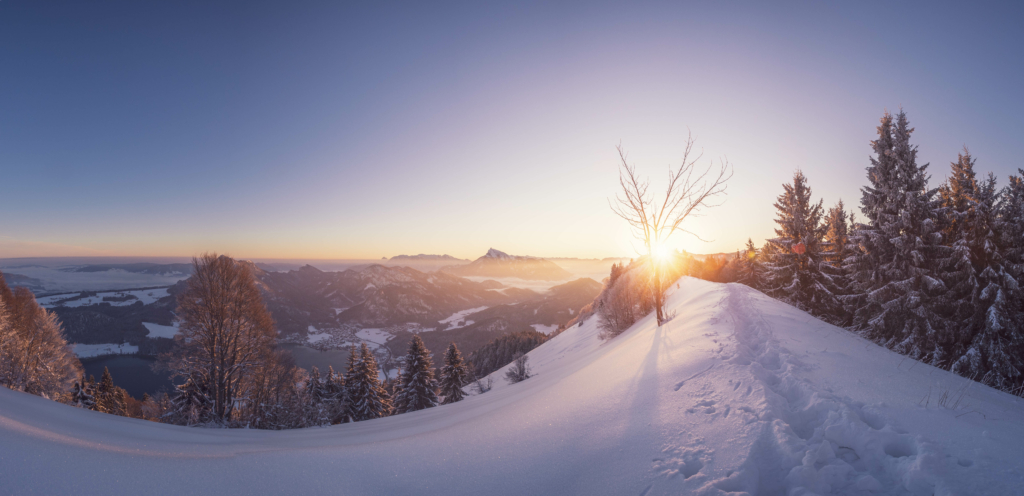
<point>658,295</point>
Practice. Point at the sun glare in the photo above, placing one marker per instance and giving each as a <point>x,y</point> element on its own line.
<point>662,253</point>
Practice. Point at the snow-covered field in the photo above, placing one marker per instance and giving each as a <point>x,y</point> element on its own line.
<point>739,394</point>
<point>313,335</point>
<point>146,296</point>
<point>161,331</point>
<point>95,350</point>
<point>544,329</point>
<point>515,282</point>
<point>55,279</point>
<point>374,337</point>
<point>457,319</point>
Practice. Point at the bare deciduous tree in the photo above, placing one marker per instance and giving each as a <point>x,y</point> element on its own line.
<point>227,335</point>
<point>690,190</point>
<point>520,369</point>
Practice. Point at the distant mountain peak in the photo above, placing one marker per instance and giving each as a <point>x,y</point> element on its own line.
<point>500,255</point>
<point>497,263</point>
<point>492,253</point>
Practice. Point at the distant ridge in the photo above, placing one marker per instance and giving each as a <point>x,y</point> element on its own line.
<point>422,256</point>
<point>496,263</point>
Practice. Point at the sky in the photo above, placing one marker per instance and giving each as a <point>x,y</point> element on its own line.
<point>371,129</point>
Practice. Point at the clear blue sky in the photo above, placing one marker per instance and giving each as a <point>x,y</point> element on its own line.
<point>333,130</point>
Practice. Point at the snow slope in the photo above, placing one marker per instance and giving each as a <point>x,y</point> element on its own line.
<point>738,394</point>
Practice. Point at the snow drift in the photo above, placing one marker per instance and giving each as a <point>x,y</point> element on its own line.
<point>738,394</point>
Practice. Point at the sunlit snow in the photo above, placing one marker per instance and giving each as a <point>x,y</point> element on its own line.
<point>457,319</point>
<point>161,331</point>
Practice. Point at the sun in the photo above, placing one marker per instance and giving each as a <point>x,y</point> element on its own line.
<point>662,253</point>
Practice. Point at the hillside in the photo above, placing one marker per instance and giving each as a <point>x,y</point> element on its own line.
<point>738,394</point>
<point>499,264</point>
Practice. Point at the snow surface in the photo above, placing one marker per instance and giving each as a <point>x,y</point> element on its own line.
<point>457,317</point>
<point>374,337</point>
<point>146,296</point>
<point>544,329</point>
<point>738,394</point>
<point>95,350</point>
<point>313,335</point>
<point>55,279</point>
<point>515,282</point>
<point>161,331</point>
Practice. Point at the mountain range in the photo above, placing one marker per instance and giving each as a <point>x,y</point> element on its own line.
<point>499,264</point>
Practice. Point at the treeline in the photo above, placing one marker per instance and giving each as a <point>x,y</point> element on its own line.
<point>503,350</point>
<point>932,273</point>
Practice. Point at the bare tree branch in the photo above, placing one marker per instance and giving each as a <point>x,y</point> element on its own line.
<point>690,190</point>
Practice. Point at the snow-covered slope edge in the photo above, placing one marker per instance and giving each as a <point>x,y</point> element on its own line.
<point>739,393</point>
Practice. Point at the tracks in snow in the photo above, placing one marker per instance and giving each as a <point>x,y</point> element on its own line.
<point>803,441</point>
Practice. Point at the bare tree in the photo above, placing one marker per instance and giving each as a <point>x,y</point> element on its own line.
<point>520,370</point>
<point>691,189</point>
<point>227,336</point>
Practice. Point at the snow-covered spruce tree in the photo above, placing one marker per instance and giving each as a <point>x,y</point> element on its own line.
<point>896,268</point>
<point>369,399</point>
<point>837,234</point>
<point>751,268</point>
<point>988,338</point>
<point>453,376</point>
<point>349,378</point>
<point>1011,224</point>
<point>316,413</point>
<point>110,398</point>
<point>334,396</point>
<point>191,404</point>
<point>798,270</point>
<point>34,356</point>
<point>418,386</point>
<point>963,234</point>
<point>82,395</point>
<point>837,248</point>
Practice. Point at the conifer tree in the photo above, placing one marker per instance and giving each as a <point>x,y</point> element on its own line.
<point>316,413</point>
<point>418,386</point>
<point>1011,224</point>
<point>191,404</point>
<point>896,268</point>
<point>334,396</point>
<point>349,378</point>
<point>958,198</point>
<point>82,395</point>
<point>454,376</point>
<point>797,269</point>
<point>110,398</point>
<point>369,398</point>
<point>751,269</point>
<point>837,235</point>
<point>987,341</point>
